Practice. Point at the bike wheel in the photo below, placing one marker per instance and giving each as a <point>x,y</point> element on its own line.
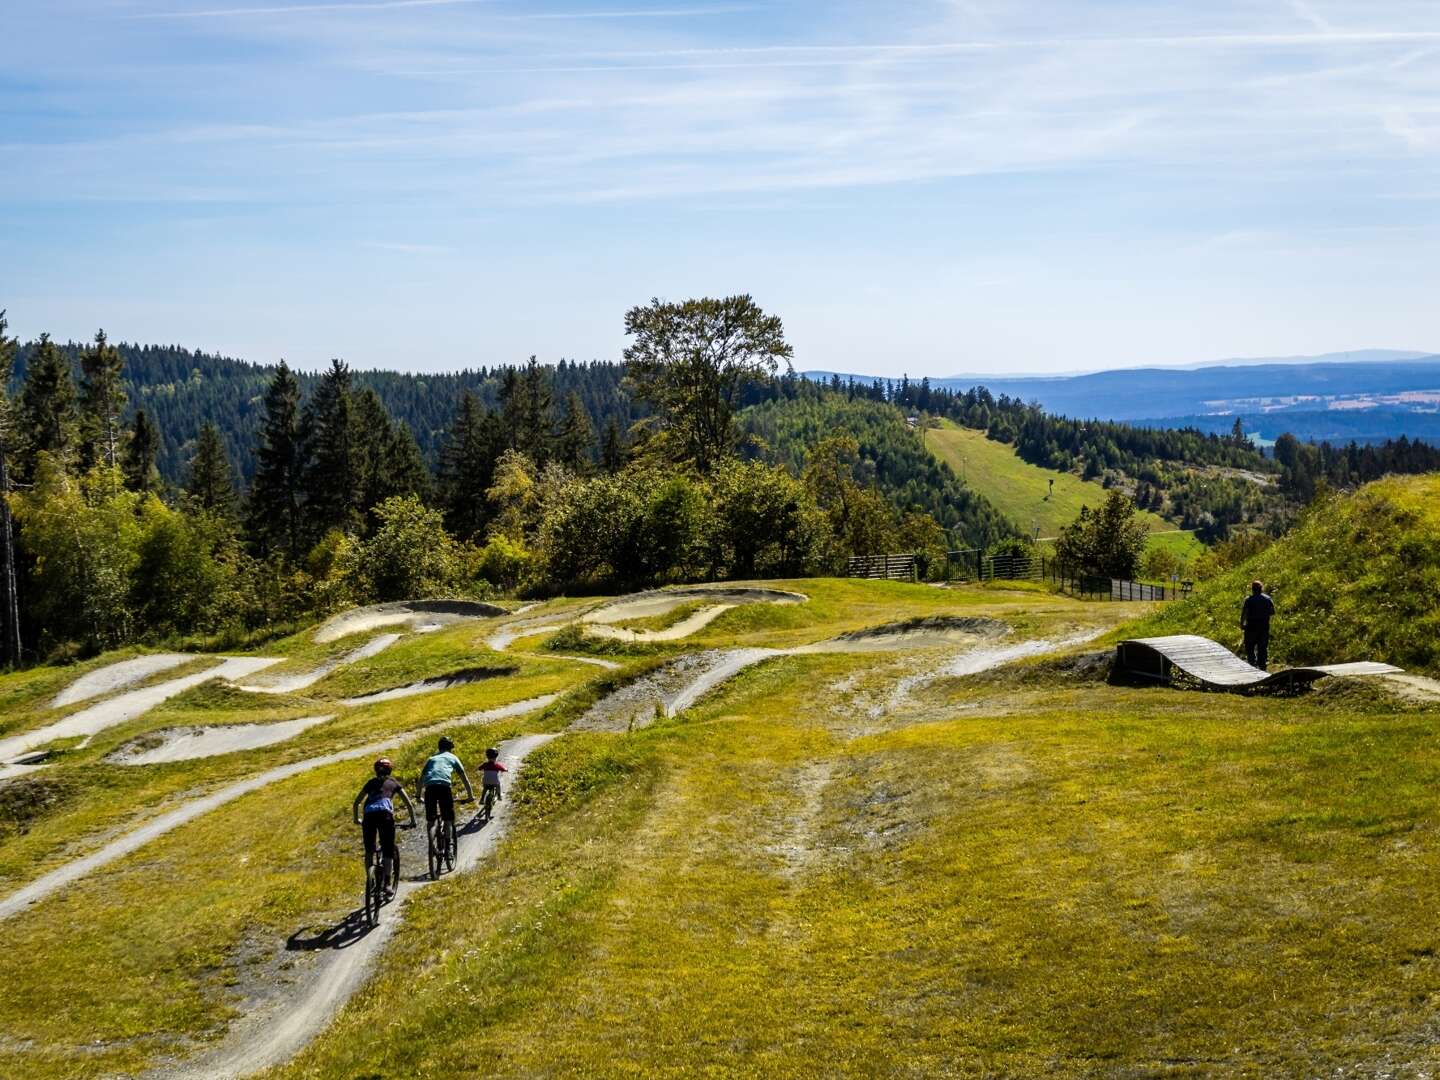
<point>374,894</point>
<point>395,871</point>
<point>434,843</point>
<point>452,846</point>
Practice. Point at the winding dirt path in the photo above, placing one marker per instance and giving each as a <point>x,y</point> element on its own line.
<point>275,1034</point>
<point>125,707</point>
<point>288,684</point>
<point>117,676</point>
<point>77,868</point>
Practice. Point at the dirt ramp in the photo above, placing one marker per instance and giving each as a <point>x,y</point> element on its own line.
<point>417,614</point>
<point>660,601</point>
<point>929,631</point>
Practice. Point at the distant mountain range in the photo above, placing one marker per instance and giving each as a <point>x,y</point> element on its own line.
<point>1366,395</point>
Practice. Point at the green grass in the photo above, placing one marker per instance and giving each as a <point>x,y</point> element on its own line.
<point>1022,492</point>
<point>1358,579</point>
<point>1052,882</point>
<point>1030,873</point>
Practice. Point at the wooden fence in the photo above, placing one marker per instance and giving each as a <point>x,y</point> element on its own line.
<point>974,565</point>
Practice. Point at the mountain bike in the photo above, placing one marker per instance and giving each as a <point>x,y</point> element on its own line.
<point>375,883</point>
<point>487,803</point>
<point>444,844</point>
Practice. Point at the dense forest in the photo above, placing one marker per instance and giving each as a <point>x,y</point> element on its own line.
<point>289,495</point>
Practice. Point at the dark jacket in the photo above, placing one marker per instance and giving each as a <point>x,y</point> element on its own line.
<point>1256,612</point>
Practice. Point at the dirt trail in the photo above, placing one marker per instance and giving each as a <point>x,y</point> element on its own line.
<point>428,686</point>
<point>288,684</point>
<point>77,868</point>
<point>418,614</point>
<point>124,707</point>
<point>187,744</point>
<point>273,1035</point>
<point>682,629</point>
<point>117,676</point>
<point>1417,688</point>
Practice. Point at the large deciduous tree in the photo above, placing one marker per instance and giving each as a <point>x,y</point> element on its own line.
<point>1107,542</point>
<point>690,360</point>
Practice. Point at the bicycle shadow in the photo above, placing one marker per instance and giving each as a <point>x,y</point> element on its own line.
<point>342,935</point>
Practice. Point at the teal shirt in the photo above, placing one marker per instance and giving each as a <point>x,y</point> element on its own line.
<point>440,768</point>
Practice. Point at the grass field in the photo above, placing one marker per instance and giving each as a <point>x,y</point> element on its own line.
<point>1022,491</point>
<point>836,864</point>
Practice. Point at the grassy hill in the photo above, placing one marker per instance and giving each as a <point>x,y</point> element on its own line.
<point>1024,872</point>
<point>1022,491</point>
<point>1358,579</point>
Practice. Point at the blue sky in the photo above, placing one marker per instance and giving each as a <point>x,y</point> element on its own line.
<point>923,187</point>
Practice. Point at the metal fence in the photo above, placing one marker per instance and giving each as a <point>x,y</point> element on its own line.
<point>972,564</point>
<point>888,567</point>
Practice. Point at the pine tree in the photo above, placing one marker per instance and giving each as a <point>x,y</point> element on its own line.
<point>525,402</point>
<point>275,492</point>
<point>212,485</point>
<point>612,447</point>
<point>138,461</point>
<point>102,401</point>
<point>575,437</point>
<point>9,590</point>
<point>332,477</point>
<point>467,466</point>
<point>409,474</point>
<point>46,420</point>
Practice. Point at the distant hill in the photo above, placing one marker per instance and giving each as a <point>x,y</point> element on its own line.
<point>1355,581</point>
<point>1381,397</point>
<point>1024,493</point>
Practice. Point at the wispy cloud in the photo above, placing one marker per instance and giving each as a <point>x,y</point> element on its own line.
<point>370,6</point>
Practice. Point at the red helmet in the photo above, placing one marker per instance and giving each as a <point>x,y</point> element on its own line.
<point>383,766</point>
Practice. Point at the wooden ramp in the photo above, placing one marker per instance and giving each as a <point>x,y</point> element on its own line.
<point>1190,658</point>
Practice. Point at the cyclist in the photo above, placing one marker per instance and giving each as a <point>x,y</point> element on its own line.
<point>435,783</point>
<point>378,795</point>
<point>490,773</point>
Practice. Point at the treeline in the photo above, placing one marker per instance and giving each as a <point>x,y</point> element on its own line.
<point>342,506</point>
<point>181,390</point>
<point>1306,466</point>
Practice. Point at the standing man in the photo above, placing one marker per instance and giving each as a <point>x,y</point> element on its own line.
<point>1255,615</point>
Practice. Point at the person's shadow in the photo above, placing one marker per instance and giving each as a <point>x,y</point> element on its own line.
<point>340,936</point>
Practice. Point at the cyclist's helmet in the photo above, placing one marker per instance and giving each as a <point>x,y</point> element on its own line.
<point>383,767</point>
<point>446,743</point>
<point>492,753</point>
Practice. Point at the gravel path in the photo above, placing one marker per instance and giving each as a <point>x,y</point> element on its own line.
<point>418,614</point>
<point>189,743</point>
<point>288,684</point>
<point>117,676</point>
<point>268,1037</point>
<point>124,707</point>
<point>151,830</point>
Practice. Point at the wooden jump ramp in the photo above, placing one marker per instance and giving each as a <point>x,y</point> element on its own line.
<point>1190,659</point>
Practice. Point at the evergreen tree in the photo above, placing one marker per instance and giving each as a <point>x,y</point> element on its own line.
<point>46,420</point>
<point>612,447</point>
<point>467,466</point>
<point>9,587</point>
<point>140,452</point>
<point>275,493</point>
<point>575,437</point>
<point>332,479</point>
<point>212,486</point>
<point>102,403</point>
<point>409,474</point>
<point>525,401</point>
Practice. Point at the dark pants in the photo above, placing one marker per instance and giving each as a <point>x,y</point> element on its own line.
<point>379,826</point>
<point>1257,646</point>
<point>439,799</point>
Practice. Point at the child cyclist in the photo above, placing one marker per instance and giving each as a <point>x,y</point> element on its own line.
<point>490,775</point>
<point>378,825</point>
